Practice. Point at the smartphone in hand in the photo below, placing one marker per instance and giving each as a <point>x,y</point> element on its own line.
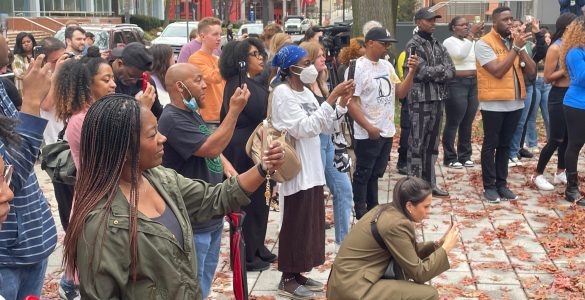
<point>351,70</point>
<point>265,140</point>
<point>37,50</point>
<point>145,80</point>
<point>412,51</point>
<point>242,73</point>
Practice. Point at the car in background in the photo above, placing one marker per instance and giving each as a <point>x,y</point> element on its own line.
<point>296,24</point>
<point>110,36</point>
<point>175,35</point>
<point>252,28</point>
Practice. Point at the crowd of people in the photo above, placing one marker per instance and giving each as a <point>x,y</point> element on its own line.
<point>158,148</point>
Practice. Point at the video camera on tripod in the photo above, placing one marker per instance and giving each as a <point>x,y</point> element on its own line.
<point>335,37</point>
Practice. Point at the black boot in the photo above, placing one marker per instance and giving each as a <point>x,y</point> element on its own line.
<point>572,193</point>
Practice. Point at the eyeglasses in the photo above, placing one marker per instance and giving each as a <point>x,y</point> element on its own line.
<point>256,54</point>
<point>6,175</point>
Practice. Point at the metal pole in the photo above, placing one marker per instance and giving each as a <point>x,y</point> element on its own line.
<point>343,7</point>
<point>321,12</point>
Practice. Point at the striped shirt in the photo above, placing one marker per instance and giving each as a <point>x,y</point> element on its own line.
<point>29,234</point>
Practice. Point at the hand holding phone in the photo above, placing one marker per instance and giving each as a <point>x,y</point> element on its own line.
<point>412,51</point>
<point>37,50</point>
<point>242,73</point>
<point>351,70</point>
<point>145,80</point>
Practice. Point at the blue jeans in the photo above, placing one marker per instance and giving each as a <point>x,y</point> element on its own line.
<point>340,187</point>
<point>515,143</point>
<point>207,246</point>
<point>17,282</point>
<point>542,91</point>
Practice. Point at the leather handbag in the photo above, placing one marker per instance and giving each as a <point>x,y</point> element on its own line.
<point>393,268</point>
<point>292,164</point>
<point>57,161</point>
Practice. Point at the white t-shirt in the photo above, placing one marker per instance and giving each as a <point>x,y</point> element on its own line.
<point>53,128</point>
<point>375,84</point>
<point>301,116</point>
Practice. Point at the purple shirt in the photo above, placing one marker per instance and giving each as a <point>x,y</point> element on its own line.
<point>190,48</point>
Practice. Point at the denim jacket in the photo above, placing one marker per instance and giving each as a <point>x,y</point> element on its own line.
<point>434,71</point>
<point>164,269</point>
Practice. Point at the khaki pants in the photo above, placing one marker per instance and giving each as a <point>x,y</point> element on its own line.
<point>401,290</point>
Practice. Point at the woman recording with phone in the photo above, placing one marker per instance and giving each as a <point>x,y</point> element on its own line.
<point>252,53</point>
<point>386,236</point>
<point>296,110</point>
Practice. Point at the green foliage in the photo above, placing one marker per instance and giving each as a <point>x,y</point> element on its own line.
<point>406,9</point>
<point>146,22</point>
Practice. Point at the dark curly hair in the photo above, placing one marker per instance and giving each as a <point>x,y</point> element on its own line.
<point>234,52</point>
<point>18,43</point>
<point>75,79</point>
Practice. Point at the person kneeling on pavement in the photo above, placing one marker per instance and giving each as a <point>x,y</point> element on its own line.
<point>386,237</point>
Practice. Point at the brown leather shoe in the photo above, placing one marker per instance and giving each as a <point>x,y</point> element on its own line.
<point>310,284</point>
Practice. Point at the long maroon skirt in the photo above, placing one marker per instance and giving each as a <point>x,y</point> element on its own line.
<point>301,244</point>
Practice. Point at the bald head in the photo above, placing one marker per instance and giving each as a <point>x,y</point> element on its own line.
<point>184,81</point>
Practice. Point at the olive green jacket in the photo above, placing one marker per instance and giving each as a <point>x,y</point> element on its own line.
<point>361,262</point>
<point>165,271</point>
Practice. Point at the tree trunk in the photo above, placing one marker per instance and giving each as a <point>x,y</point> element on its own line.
<point>383,11</point>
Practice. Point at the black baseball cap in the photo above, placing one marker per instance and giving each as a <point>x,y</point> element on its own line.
<point>135,55</point>
<point>379,34</point>
<point>425,14</point>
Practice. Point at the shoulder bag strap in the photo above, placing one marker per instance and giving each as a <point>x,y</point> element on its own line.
<point>375,232</point>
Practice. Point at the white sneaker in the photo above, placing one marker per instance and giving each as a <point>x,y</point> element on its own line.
<point>514,162</point>
<point>541,183</point>
<point>560,178</point>
<point>469,164</point>
<point>455,165</point>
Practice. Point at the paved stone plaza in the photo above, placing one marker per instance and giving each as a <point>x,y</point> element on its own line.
<point>532,248</point>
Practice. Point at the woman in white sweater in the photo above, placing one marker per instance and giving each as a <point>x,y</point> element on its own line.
<point>296,110</point>
<point>461,107</point>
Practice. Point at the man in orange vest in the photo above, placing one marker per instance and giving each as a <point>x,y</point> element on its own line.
<point>501,60</point>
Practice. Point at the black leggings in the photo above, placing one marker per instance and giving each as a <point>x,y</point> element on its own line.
<point>576,134</point>
<point>558,130</point>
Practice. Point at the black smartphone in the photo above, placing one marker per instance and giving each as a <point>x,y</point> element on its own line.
<point>242,73</point>
<point>37,50</point>
<point>351,70</point>
<point>244,31</point>
<point>452,218</point>
<point>412,51</point>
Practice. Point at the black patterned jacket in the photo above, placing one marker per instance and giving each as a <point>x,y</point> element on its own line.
<point>435,70</point>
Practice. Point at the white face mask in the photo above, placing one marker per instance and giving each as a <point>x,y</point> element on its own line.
<point>309,74</point>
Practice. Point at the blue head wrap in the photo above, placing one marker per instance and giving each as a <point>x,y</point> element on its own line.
<point>287,56</point>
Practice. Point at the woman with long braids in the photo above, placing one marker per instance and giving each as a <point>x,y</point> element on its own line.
<point>81,82</point>
<point>364,256</point>
<point>573,62</point>
<point>129,236</point>
<point>558,128</point>
<point>23,54</point>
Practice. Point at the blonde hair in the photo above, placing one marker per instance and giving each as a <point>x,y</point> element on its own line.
<point>278,41</point>
<point>313,49</point>
<point>206,23</point>
<point>574,37</point>
<point>269,31</point>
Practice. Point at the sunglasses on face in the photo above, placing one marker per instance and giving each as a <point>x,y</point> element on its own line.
<point>6,175</point>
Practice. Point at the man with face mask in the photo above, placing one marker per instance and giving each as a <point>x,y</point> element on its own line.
<point>501,88</point>
<point>373,112</point>
<point>194,151</point>
<point>425,100</point>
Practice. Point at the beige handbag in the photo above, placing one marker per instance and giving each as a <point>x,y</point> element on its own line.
<point>292,164</point>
